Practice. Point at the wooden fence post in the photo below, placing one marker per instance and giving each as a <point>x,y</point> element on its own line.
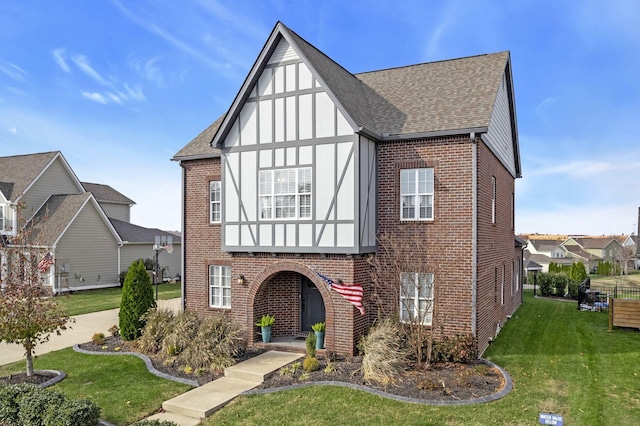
<point>610,313</point>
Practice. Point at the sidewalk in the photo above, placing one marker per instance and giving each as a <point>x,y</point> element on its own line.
<point>80,332</point>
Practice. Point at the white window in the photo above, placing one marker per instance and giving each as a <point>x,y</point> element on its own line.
<point>219,286</point>
<point>502,287</point>
<point>1,218</point>
<point>416,194</point>
<point>285,193</point>
<point>416,297</point>
<point>493,199</point>
<point>215,199</point>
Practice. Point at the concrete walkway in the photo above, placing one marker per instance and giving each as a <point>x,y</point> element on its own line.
<point>190,407</point>
<point>81,331</point>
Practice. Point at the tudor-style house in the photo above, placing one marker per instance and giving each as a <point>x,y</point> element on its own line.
<point>84,227</point>
<point>311,164</point>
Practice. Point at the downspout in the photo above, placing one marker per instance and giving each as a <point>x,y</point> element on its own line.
<point>474,233</point>
<point>183,298</point>
<point>522,272</point>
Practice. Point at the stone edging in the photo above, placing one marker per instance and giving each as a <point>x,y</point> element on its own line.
<point>503,392</point>
<point>60,375</point>
<point>146,360</point>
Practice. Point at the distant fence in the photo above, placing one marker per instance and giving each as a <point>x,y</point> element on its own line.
<point>596,298</point>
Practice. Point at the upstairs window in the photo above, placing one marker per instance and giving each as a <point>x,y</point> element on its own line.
<point>1,218</point>
<point>416,298</point>
<point>215,199</point>
<point>285,194</point>
<point>416,194</point>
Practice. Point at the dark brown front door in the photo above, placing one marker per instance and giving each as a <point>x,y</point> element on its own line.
<point>311,304</point>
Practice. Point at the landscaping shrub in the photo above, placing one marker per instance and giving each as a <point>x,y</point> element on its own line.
<point>157,325</point>
<point>98,339</point>
<point>114,330</point>
<point>310,342</point>
<point>217,342</point>
<point>182,333</point>
<point>75,412</point>
<point>546,284</point>
<point>384,353</point>
<point>9,398</point>
<point>461,348</point>
<point>573,289</point>
<point>310,364</point>
<point>137,298</point>
<point>560,282</point>
<point>28,405</point>
<point>33,406</point>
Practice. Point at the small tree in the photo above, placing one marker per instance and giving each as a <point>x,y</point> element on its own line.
<point>406,289</point>
<point>578,272</point>
<point>137,299</point>
<point>27,317</point>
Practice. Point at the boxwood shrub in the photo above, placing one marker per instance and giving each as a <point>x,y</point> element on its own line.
<point>28,405</point>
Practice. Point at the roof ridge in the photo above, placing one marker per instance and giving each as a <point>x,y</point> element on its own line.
<point>432,62</point>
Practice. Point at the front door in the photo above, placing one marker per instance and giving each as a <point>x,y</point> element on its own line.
<point>311,304</point>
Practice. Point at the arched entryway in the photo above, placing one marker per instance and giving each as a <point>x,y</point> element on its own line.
<point>295,295</point>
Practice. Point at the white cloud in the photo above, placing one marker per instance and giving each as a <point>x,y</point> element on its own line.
<point>576,169</point>
<point>58,56</point>
<point>83,64</point>
<point>148,68</point>
<point>12,70</point>
<point>13,130</point>
<point>114,98</point>
<point>135,93</point>
<point>96,97</point>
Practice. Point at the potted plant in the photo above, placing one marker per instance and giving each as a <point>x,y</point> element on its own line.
<point>265,324</point>
<point>319,328</point>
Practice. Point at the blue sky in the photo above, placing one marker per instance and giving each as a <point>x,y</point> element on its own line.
<point>119,87</point>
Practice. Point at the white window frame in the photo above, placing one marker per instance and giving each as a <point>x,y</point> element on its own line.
<point>215,205</point>
<point>288,199</point>
<point>220,286</point>
<point>410,309</point>
<point>417,194</point>
<point>502,285</point>
<point>2,218</point>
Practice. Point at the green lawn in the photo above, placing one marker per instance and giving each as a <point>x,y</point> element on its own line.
<point>83,302</point>
<point>561,360</point>
<point>120,385</point>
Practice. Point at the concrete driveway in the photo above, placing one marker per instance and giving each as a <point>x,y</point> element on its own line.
<point>81,331</point>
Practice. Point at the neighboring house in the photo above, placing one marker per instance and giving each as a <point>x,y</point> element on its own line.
<point>606,248</point>
<point>138,244</point>
<point>311,163</point>
<point>73,220</point>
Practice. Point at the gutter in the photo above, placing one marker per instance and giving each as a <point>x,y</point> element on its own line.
<point>474,233</point>
<point>183,298</point>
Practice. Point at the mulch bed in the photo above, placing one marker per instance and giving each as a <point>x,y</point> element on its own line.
<point>441,382</point>
<point>37,378</point>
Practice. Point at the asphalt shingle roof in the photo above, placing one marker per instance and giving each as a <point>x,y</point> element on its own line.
<point>17,172</point>
<point>137,234</point>
<point>436,97</point>
<point>105,193</point>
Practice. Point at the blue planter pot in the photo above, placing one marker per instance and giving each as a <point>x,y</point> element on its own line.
<point>266,334</point>
<point>319,339</point>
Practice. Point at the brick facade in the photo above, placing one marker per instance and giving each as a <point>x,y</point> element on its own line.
<point>271,281</point>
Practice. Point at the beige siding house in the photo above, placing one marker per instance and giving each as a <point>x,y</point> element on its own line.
<point>78,222</point>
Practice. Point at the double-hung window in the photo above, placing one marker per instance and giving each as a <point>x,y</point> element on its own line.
<point>219,286</point>
<point>416,297</point>
<point>215,199</point>
<point>285,193</point>
<point>416,194</point>
<point>1,218</point>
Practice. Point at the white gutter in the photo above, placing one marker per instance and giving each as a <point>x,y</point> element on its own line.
<point>474,232</point>
<point>183,300</point>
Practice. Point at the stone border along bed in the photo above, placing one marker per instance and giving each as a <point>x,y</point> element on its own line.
<point>503,392</point>
<point>498,395</point>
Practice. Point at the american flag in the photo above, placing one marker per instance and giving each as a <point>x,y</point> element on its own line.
<point>353,293</point>
<point>46,261</point>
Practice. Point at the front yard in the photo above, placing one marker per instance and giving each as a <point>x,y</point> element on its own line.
<point>562,361</point>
